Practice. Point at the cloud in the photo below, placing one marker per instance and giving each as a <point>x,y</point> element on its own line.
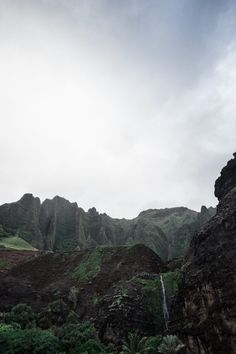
<point>122,105</point>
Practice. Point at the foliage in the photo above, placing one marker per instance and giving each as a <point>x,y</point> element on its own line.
<point>135,345</point>
<point>21,314</point>
<point>55,313</point>
<point>170,280</point>
<point>71,335</point>
<point>153,344</point>
<point>33,341</point>
<point>152,292</point>
<point>90,266</point>
<point>80,338</point>
<point>17,243</point>
<point>170,345</point>
<point>92,346</point>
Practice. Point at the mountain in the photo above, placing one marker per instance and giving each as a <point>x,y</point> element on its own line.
<point>121,289</point>
<point>58,224</point>
<point>204,310</point>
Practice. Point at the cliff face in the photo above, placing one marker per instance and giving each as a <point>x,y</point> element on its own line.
<point>58,224</point>
<point>227,179</point>
<point>23,217</point>
<point>204,311</point>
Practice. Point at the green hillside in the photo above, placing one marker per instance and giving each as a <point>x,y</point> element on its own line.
<point>16,243</point>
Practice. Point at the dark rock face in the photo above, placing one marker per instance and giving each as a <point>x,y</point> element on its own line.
<point>227,179</point>
<point>204,312</point>
<point>22,217</point>
<point>58,224</point>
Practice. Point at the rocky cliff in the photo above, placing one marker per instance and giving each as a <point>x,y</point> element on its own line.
<point>204,310</point>
<point>58,224</point>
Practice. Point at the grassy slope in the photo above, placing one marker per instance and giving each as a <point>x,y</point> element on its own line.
<point>16,243</point>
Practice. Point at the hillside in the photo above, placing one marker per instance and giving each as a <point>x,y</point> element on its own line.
<point>58,225</point>
<point>14,242</point>
<point>116,288</point>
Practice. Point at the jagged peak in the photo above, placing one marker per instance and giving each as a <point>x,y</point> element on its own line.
<point>28,197</point>
<point>93,211</point>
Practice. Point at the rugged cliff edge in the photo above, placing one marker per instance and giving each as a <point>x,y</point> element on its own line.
<point>204,311</point>
<point>58,224</point>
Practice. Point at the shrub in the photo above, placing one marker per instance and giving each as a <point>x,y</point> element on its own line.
<point>32,341</point>
<point>21,314</point>
<point>153,344</point>
<point>72,335</point>
<point>135,344</point>
<point>170,345</point>
<point>92,346</point>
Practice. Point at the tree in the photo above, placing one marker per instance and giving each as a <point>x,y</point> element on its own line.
<point>21,314</point>
<point>135,345</point>
<point>33,341</point>
<point>170,345</point>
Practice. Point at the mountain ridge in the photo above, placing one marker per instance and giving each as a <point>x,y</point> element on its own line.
<point>58,224</point>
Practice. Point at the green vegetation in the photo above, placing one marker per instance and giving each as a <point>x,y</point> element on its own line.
<point>170,280</point>
<point>152,291</point>
<point>21,332</point>
<point>90,266</point>
<point>80,338</point>
<point>153,343</point>
<point>135,344</point>
<point>141,345</point>
<point>36,341</point>
<point>170,345</point>
<point>16,243</point>
<point>21,314</point>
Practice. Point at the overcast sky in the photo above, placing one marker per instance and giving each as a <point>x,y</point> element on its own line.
<point>119,104</point>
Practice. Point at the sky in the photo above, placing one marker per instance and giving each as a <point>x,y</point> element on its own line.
<point>123,105</point>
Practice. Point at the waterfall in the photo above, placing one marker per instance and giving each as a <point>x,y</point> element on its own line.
<point>164,303</point>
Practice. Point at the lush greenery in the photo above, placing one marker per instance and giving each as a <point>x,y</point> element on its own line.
<point>170,345</point>
<point>14,340</point>
<point>170,280</point>
<point>151,345</point>
<point>24,331</point>
<point>90,266</point>
<point>141,345</point>
<point>152,292</point>
<point>16,243</point>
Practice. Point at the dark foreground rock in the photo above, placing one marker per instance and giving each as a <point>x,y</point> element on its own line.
<point>204,312</point>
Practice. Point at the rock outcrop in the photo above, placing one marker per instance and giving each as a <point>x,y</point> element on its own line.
<point>204,311</point>
<point>227,179</point>
<point>58,224</point>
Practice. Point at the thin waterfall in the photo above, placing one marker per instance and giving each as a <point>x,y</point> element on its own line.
<point>164,303</point>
